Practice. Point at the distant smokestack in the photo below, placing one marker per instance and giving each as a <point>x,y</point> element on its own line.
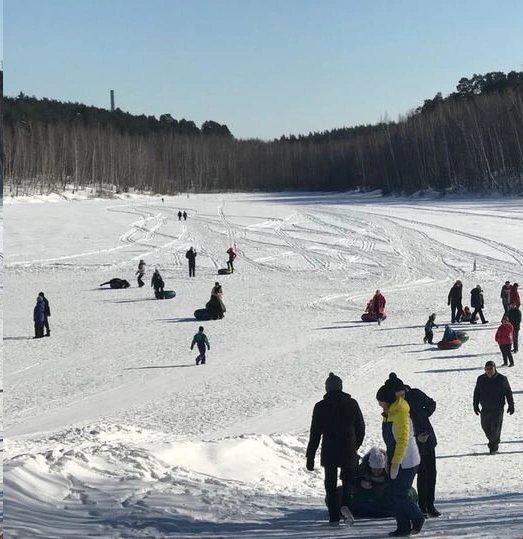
<point>112,100</point>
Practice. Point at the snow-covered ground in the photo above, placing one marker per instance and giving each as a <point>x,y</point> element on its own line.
<point>112,430</point>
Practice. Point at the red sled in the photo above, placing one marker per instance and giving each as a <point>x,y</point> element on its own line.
<point>371,317</point>
<point>449,345</point>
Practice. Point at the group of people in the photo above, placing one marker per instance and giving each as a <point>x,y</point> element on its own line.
<point>180,215</point>
<point>41,314</point>
<point>337,421</point>
<point>375,309</point>
<point>455,300</point>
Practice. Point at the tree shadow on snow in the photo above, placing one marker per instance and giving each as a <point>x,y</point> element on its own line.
<point>396,328</point>
<point>478,454</point>
<point>130,300</point>
<point>402,344</point>
<point>337,327</point>
<point>175,320</point>
<point>18,338</point>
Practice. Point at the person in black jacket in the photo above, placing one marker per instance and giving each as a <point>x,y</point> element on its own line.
<point>477,302</point>
<point>514,317</point>
<point>491,391</point>
<point>190,255</point>
<point>455,301</point>
<point>158,284</point>
<point>421,408</point>
<point>338,422</point>
<point>47,314</point>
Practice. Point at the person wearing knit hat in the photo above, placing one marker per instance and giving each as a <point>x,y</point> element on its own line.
<point>337,422</point>
<point>373,470</point>
<point>404,458</point>
<point>421,408</point>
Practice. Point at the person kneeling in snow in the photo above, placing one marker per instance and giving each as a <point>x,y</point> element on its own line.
<point>449,334</point>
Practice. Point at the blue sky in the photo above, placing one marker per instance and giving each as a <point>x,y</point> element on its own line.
<point>263,67</point>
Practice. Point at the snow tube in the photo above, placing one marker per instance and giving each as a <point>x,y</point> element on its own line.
<point>462,336</point>
<point>449,345</point>
<point>169,294</point>
<point>224,271</point>
<point>202,314</point>
<point>371,317</point>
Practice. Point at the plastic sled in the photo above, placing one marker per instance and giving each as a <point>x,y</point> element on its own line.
<point>462,336</point>
<point>224,271</point>
<point>449,345</point>
<point>371,317</point>
<point>202,314</point>
<point>169,294</point>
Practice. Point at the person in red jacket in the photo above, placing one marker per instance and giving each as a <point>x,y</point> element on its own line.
<point>504,339</point>
<point>514,298</point>
<point>378,302</point>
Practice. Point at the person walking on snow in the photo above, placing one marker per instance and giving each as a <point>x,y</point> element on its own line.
<point>184,215</point>
<point>505,296</point>
<point>191,257</point>
<point>421,409</point>
<point>39,317</point>
<point>514,316</point>
<point>403,456</point>
<point>232,255</point>
<point>141,273</point>
<point>429,334</point>
<point>179,215</point>
<point>47,314</point>
<point>491,392</point>
<point>504,336</point>
<point>338,423</point>
<point>514,295</point>
<point>477,302</point>
<point>378,303</point>
<point>455,299</point>
<point>201,341</point>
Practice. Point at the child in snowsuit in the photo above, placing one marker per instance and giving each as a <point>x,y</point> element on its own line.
<point>429,335</point>
<point>141,273</point>
<point>449,334</point>
<point>201,341</point>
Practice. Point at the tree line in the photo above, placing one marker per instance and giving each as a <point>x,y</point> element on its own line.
<point>470,140</point>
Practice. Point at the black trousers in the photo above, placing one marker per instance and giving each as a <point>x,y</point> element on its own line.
<point>348,476</point>
<point>140,281</point>
<point>230,264</point>
<point>478,310</point>
<point>46,326</point>
<point>429,335</point>
<point>491,423</point>
<point>427,480</point>
<point>192,269</point>
<point>506,354</point>
<point>39,329</point>
<point>455,312</point>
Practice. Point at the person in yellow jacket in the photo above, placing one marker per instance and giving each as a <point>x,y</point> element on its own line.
<point>403,460</point>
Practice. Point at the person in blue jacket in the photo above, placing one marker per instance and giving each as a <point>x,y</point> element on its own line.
<point>39,317</point>
<point>202,342</point>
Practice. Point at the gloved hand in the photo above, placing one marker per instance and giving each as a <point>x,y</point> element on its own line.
<point>423,437</point>
<point>394,469</point>
<point>310,464</point>
<point>510,410</point>
<point>476,410</point>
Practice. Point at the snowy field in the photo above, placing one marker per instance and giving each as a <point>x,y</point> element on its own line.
<point>111,429</point>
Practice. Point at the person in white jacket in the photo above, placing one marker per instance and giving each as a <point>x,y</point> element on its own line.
<point>403,457</point>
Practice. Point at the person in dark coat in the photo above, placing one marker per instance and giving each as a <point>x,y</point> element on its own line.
<point>491,392</point>
<point>158,284</point>
<point>338,423</point>
<point>421,408</point>
<point>39,317</point>
<point>215,305</point>
<point>179,215</point>
<point>514,316</point>
<point>117,283</point>
<point>47,314</point>
<point>190,255</point>
<point>477,303</point>
<point>184,215</point>
<point>141,273</point>
<point>455,299</point>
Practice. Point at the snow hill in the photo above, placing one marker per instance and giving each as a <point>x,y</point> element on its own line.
<point>111,429</point>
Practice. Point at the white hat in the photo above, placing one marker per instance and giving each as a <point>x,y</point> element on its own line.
<point>377,458</point>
